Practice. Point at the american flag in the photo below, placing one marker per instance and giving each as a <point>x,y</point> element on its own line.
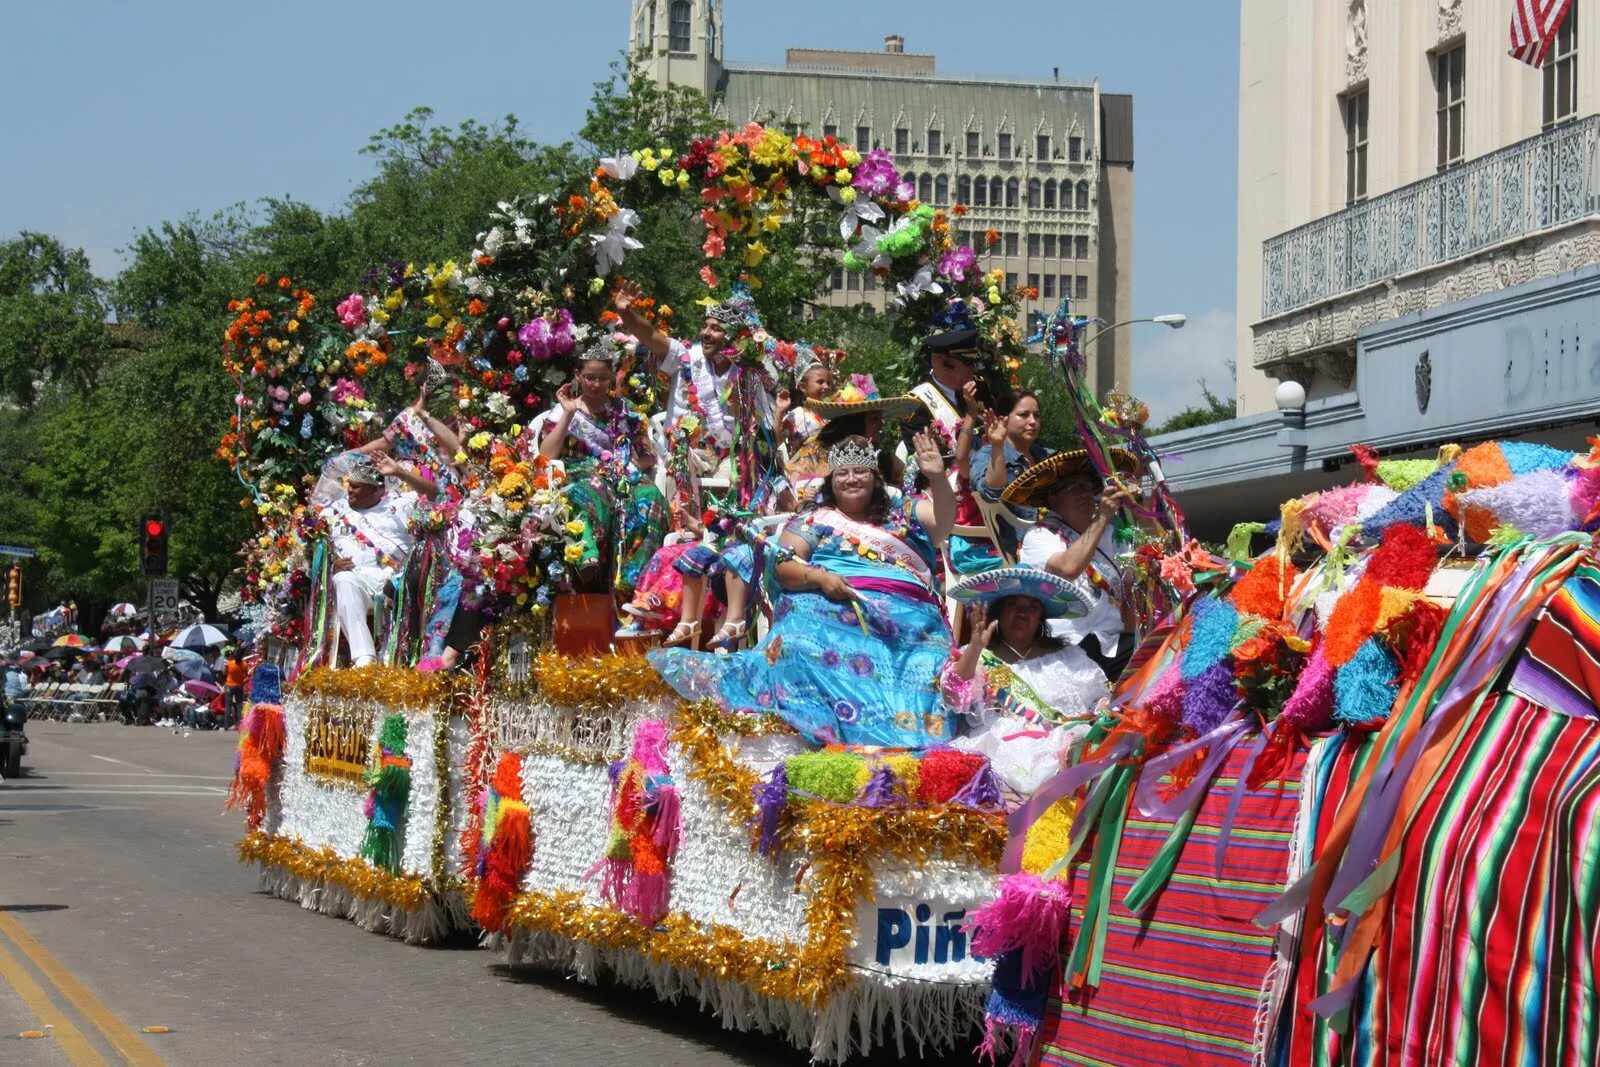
<point>1533,27</point>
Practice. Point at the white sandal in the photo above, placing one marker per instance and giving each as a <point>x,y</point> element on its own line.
<point>682,633</point>
<point>728,637</point>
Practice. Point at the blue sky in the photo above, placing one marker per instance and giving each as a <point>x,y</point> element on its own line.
<point>124,115</point>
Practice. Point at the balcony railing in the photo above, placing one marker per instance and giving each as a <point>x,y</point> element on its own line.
<point>1533,185</point>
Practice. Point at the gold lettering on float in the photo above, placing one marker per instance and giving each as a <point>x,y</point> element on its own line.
<point>338,741</point>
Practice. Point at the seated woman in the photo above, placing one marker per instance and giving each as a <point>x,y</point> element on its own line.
<point>858,637</point>
<point>1013,682</point>
<point>1076,539</point>
<point>591,433</point>
<point>1010,447</point>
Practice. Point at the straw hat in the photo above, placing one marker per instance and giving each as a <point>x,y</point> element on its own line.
<point>1033,486</point>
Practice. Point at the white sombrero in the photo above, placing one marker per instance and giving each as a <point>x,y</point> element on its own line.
<point>1061,598</point>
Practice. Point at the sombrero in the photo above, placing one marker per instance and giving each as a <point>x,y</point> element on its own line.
<point>1030,488</point>
<point>1060,598</point>
<point>858,396</point>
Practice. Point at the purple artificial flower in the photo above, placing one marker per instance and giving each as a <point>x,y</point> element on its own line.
<point>562,342</point>
<point>861,663</point>
<point>846,712</point>
<point>875,174</point>
<point>830,657</point>
<point>956,263</point>
<point>536,337</point>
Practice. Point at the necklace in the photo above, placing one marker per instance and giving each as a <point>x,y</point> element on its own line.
<point>1020,656</point>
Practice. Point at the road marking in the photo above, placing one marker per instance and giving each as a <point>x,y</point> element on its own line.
<point>133,791</point>
<point>136,774</point>
<point>120,1034</point>
<point>107,759</point>
<point>69,1037</point>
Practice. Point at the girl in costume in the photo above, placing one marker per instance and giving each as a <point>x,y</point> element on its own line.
<point>1015,684</point>
<point>806,461</point>
<point>858,637</point>
<point>601,445</point>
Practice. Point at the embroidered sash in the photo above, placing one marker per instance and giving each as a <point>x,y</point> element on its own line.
<point>891,547</point>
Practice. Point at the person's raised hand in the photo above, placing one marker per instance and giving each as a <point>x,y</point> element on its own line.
<point>783,400</point>
<point>983,630</point>
<point>567,397</point>
<point>994,431</point>
<point>626,295</point>
<point>975,405</point>
<point>386,465</point>
<point>930,456</point>
<point>1112,500</point>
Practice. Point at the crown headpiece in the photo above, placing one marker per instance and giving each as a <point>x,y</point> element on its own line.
<point>728,315</point>
<point>605,349</point>
<point>849,453</point>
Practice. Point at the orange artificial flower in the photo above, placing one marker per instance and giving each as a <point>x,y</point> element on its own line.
<point>261,279</point>
<point>959,210</point>
<point>1031,292</point>
<point>284,282</point>
<point>476,307</point>
<point>991,237</point>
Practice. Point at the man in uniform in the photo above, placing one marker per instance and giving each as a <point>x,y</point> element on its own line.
<point>370,534</point>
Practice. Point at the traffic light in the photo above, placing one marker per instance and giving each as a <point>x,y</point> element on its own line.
<point>153,546</point>
<point>14,587</point>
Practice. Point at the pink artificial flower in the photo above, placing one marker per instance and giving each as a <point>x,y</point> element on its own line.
<point>708,276</point>
<point>353,311</point>
<point>714,244</point>
<point>303,399</point>
<point>1176,572</point>
<point>957,263</point>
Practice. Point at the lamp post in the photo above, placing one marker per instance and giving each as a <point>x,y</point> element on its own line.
<point>1173,320</point>
<point>1290,397</point>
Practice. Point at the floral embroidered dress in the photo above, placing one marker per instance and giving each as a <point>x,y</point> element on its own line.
<point>410,440</point>
<point>615,503</point>
<point>862,674</point>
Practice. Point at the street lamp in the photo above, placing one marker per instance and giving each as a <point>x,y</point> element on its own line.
<point>1290,397</point>
<point>1175,320</point>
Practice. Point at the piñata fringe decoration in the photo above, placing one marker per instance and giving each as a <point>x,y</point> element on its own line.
<point>262,742</point>
<point>507,847</point>
<point>1021,929</point>
<point>390,790</point>
<point>646,823</point>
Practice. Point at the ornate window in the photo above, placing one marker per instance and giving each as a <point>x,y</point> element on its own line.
<point>973,145</point>
<point>1450,92</point>
<point>935,143</point>
<point>1074,149</point>
<point>1033,246</point>
<point>1049,246</point>
<point>941,190</point>
<point>902,141</point>
<point>980,193</point>
<point>1355,145</point>
<point>963,190</point>
<point>1012,188</point>
<point>863,138</point>
<point>1081,196</point>
<point>1041,146</point>
<point>678,26</point>
<point>925,188</point>
<point>1034,187</point>
<point>830,130</point>
<point>1003,148</point>
<point>1561,73</point>
<point>1050,193</point>
<point>996,192</point>
<point>1011,242</point>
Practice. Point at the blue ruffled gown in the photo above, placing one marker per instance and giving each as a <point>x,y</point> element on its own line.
<point>818,670</point>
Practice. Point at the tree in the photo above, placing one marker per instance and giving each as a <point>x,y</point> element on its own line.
<point>52,317</point>
<point>1216,409</point>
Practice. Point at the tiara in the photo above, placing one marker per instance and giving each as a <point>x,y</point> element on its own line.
<point>605,349</point>
<point>728,314</point>
<point>849,454</point>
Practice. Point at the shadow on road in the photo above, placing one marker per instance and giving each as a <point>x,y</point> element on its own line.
<point>686,1021</point>
<point>28,909</point>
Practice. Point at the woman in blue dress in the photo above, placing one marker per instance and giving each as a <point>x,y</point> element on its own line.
<point>858,637</point>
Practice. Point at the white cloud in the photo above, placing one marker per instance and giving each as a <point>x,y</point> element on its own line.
<point>1169,365</point>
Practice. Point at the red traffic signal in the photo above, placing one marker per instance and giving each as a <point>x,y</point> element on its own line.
<point>153,546</point>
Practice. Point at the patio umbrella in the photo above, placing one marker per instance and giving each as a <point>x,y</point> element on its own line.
<point>123,610</point>
<point>142,664</point>
<point>193,669</point>
<point>173,653</point>
<point>71,641</point>
<point>201,690</point>
<point>201,635</point>
<point>37,644</point>
<point>124,644</point>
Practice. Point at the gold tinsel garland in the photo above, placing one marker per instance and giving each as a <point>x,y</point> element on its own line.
<point>596,683</point>
<point>441,811</point>
<point>781,970</point>
<point>327,867</point>
<point>395,688</point>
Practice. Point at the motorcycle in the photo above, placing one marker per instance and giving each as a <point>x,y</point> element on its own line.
<point>13,738</point>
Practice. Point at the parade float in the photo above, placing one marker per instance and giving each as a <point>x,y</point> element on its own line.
<point>1336,810</point>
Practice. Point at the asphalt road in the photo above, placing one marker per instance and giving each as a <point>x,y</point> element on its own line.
<point>122,907</point>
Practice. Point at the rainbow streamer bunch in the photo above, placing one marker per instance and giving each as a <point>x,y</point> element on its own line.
<point>389,790</point>
<point>875,780</point>
<point>262,741</point>
<point>506,844</point>
<point>1100,428</point>
<point>645,828</point>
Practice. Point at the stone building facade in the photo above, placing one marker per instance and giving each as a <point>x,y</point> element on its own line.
<point>1045,164</point>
